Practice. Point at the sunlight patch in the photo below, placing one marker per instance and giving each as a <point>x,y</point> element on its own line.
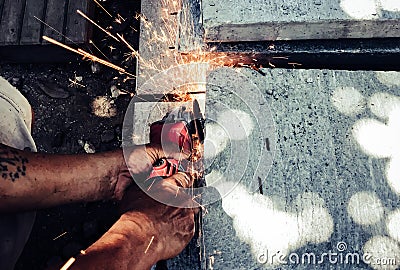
<point>391,5</point>
<point>393,224</point>
<point>348,100</point>
<point>389,78</point>
<point>238,124</point>
<point>382,247</point>
<point>374,137</point>
<point>268,230</point>
<point>215,141</point>
<point>359,9</point>
<point>365,208</point>
<point>383,104</point>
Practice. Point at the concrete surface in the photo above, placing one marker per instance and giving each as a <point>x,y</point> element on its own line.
<point>333,185</point>
<point>256,20</point>
<point>184,78</point>
<point>157,44</point>
<point>164,28</point>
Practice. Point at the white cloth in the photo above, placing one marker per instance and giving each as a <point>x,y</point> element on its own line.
<point>15,127</point>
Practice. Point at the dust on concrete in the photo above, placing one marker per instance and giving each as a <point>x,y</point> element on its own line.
<point>61,96</point>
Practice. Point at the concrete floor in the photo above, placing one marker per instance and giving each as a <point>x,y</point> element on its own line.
<point>333,185</point>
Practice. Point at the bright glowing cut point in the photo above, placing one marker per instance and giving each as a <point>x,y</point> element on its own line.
<point>238,124</point>
<point>359,9</point>
<point>348,100</point>
<point>383,104</point>
<point>389,78</point>
<point>365,208</point>
<point>259,223</point>
<point>393,224</point>
<point>382,247</point>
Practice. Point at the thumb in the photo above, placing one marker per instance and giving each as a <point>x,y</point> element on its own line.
<point>170,151</point>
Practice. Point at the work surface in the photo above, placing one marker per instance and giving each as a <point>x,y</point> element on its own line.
<point>299,163</point>
<point>333,184</point>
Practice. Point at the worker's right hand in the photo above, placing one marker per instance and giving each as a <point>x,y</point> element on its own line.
<point>169,227</point>
<point>148,231</point>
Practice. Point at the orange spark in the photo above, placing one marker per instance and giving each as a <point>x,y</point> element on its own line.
<point>97,3</point>
<point>61,44</point>
<point>151,241</point>
<point>88,55</point>
<point>68,264</point>
<point>126,43</point>
<point>55,30</point>
<point>95,24</point>
<point>97,48</point>
<point>61,235</point>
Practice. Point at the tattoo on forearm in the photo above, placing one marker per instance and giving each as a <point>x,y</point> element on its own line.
<point>12,165</point>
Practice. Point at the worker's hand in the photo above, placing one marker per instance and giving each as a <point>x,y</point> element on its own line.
<point>168,228</point>
<point>147,231</point>
<point>123,180</point>
<point>138,163</point>
<point>140,159</point>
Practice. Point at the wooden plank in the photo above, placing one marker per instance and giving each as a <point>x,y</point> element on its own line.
<point>26,30</point>
<point>10,21</point>
<point>77,27</point>
<point>1,8</point>
<point>31,27</point>
<point>55,13</point>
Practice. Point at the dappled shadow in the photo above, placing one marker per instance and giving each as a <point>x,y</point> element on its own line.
<point>378,137</point>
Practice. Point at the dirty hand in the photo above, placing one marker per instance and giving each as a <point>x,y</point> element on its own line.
<point>168,229</point>
<point>140,159</point>
<point>147,231</point>
<point>122,180</point>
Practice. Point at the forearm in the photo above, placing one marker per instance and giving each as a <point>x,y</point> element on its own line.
<point>127,245</point>
<point>33,180</point>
